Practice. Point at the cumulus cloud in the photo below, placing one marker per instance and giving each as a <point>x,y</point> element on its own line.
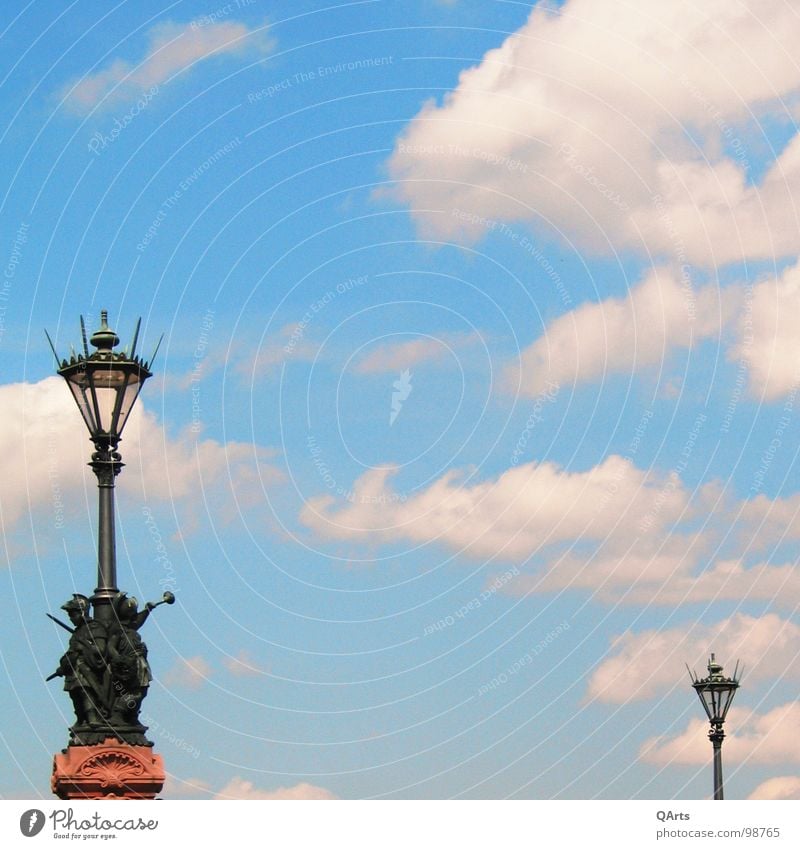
<point>664,312</point>
<point>662,570</point>
<point>726,580</point>
<point>622,534</point>
<point>172,49</point>
<point>239,788</point>
<point>766,520</point>
<point>521,512</point>
<point>661,313</point>
<point>644,664</point>
<point>769,738</point>
<point>190,672</point>
<point>781,787</point>
<point>45,447</point>
<point>620,126</point>
<point>767,340</point>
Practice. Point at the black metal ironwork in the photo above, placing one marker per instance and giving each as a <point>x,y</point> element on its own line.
<point>716,693</point>
<point>105,668</point>
<point>105,385</point>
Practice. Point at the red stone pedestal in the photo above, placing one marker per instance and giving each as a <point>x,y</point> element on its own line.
<point>112,770</point>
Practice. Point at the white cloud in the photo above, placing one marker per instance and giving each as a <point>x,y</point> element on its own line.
<point>642,665</point>
<point>619,533</point>
<point>190,672</point>
<point>781,787</point>
<point>769,738</point>
<point>172,49</point>
<point>766,521</point>
<point>767,336</point>
<point>661,313</point>
<point>44,449</point>
<point>621,126</point>
<point>663,570</point>
<point>291,344</point>
<point>521,512</point>
<point>239,788</point>
<point>727,580</point>
<point>400,355</point>
<point>397,356</point>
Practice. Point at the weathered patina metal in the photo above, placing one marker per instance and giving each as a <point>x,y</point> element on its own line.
<point>105,385</point>
<point>105,667</point>
<point>105,671</point>
<point>716,693</point>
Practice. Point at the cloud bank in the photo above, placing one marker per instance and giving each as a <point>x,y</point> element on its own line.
<point>621,127</point>
<point>45,447</point>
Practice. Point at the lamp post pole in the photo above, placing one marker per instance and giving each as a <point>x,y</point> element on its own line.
<point>100,382</point>
<point>717,735</point>
<point>716,693</point>
<point>105,668</point>
<point>106,464</point>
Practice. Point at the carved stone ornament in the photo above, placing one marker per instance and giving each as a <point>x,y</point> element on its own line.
<point>108,771</point>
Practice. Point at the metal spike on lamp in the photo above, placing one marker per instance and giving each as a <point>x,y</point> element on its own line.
<point>716,693</point>
<point>105,385</point>
<point>105,667</point>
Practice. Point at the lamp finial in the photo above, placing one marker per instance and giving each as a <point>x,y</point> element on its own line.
<point>104,339</point>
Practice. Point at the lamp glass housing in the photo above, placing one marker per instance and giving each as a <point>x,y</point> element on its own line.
<point>105,392</point>
<point>716,697</point>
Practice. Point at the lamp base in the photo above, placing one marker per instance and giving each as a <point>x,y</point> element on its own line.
<point>98,735</point>
<point>112,770</point>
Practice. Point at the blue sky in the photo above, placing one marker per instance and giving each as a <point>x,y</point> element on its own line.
<point>475,415</point>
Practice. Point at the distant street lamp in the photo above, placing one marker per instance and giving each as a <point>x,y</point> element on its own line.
<point>105,667</point>
<point>716,694</point>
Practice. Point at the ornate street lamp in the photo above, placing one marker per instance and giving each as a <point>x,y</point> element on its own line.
<point>716,694</point>
<point>105,386</point>
<point>105,667</point>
